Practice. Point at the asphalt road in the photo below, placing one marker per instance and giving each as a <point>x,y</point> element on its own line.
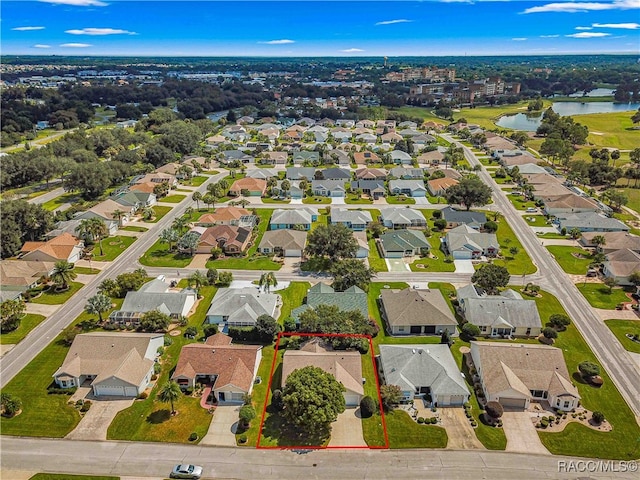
<point>613,357</point>
<point>19,356</point>
<point>155,460</point>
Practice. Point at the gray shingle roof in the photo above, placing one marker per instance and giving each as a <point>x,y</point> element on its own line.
<point>292,216</point>
<point>401,240</point>
<point>460,216</point>
<point>296,173</point>
<point>320,294</point>
<point>339,215</point>
<point>285,239</point>
<point>155,296</point>
<point>416,307</point>
<point>464,236</point>
<point>242,304</point>
<point>590,221</point>
<point>400,215</point>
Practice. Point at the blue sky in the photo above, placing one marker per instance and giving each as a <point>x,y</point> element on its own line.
<point>313,28</point>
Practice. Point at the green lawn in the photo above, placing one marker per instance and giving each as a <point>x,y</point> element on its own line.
<point>520,203</point>
<point>634,198</point>
<point>615,128</point>
<point>316,200</point>
<point>43,415</point>
<point>199,180</point>
<point>292,297</point>
<point>275,200</point>
<point>150,420</point>
<point>486,116</point>
<point>86,270</point>
<point>54,203</point>
<point>420,112</point>
<point>400,200</point>
<point>620,328</point>
<point>159,212</point>
<point>599,297</point>
<point>437,264</point>
<point>536,220</point>
<point>28,323</point>
<point>51,297</point>
<point>517,264</point>
<point>259,395</point>
<point>66,476</point>
<point>573,260</point>
<point>405,433</point>
<point>323,219</point>
<point>133,228</point>
<point>112,247</point>
<point>354,200</point>
<point>375,260</point>
<point>159,255</point>
<point>176,198</point>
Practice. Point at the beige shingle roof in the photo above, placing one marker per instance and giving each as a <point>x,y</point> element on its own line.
<point>23,272</point>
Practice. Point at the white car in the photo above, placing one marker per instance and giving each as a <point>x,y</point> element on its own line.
<point>186,471</point>
<point>532,210</point>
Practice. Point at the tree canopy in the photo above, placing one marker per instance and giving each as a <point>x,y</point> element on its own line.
<point>490,277</point>
<point>471,191</point>
<point>331,241</point>
<point>349,272</point>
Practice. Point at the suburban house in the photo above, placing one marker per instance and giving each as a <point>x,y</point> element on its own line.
<point>456,218</point>
<point>285,243</point>
<point>365,124</point>
<point>340,157</point>
<point>590,222</point>
<point>352,298</point>
<point>274,158</point>
<point>413,188</point>
<point>241,307</point>
<point>503,315</point>
<point>233,216</point>
<point>156,178</point>
<point>328,188</point>
<point>363,244</point>
<point>620,264</point>
<point>345,366</point>
<point>403,243</point>
<point>426,372</point>
<point>301,218</point>
<point>154,295</point>
<point>466,243</point>
<point>71,226</point>
<point>356,220</point>
<point>304,156</point>
<point>230,156</point>
<point>374,188</point>
<point>371,174</point>
<point>263,173</point>
<point>298,173</point>
<point>18,276</point>
<point>114,364</point>
<point>404,173</point>
<point>232,240</point>
<point>511,158</point>
<point>517,374</point>
<point>336,174</point>
<point>105,211</point>
<point>254,187</point>
<point>137,199</point>
<point>366,157</point>
<point>439,186</point>
<point>614,241</point>
<point>401,217</point>
<point>173,168</point>
<point>391,137</point>
<point>569,203</point>
<point>229,369</point>
<point>63,247</point>
<point>434,157</point>
<point>416,312</point>
<point>400,157</point>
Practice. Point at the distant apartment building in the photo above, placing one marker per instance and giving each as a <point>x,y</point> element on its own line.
<point>433,74</point>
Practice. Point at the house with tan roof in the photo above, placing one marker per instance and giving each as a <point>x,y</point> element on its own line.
<point>229,369</point>
<point>114,364</point>
<point>274,158</point>
<point>18,276</point>
<point>515,375</point>
<point>284,242</point>
<point>232,240</point>
<point>371,174</point>
<point>621,264</point>
<point>345,366</point>
<point>439,186</point>
<point>157,177</point>
<point>569,203</point>
<point>254,187</point>
<point>105,212</point>
<point>147,187</point>
<point>232,216</point>
<point>434,157</point>
<point>614,241</point>
<point>63,247</point>
<point>173,169</point>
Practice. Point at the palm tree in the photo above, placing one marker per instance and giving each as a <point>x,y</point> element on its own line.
<point>598,241</point>
<point>197,196</point>
<point>244,202</point>
<point>117,214</point>
<point>575,233</point>
<point>189,241</point>
<point>93,228</point>
<point>169,236</point>
<point>198,279</point>
<point>169,393</point>
<point>63,274</point>
<point>97,305</point>
<point>209,200</point>
<point>180,224</point>
<point>267,280</point>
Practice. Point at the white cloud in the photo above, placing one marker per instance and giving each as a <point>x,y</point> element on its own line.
<point>584,28</point>
<point>76,45</point>
<point>41,45</point>
<point>284,41</point>
<point>392,22</point>
<point>78,3</point>
<point>588,35</point>
<point>99,31</point>
<point>352,50</point>
<point>573,7</point>
<point>549,36</point>
<point>519,39</point>
<point>27,29</point>
<point>626,26</point>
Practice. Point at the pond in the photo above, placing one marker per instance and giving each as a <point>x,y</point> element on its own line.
<point>530,123</point>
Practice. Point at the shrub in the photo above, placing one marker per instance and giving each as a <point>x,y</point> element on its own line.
<point>436,214</point>
<point>589,369</point>
<point>61,391</point>
<point>10,404</point>
<point>247,413</point>
<point>559,321</point>
<point>440,224</point>
<point>188,391</point>
<point>474,423</point>
<point>210,329</point>
<point>420,420</point>
<point>597,417</point>
<point>549,332</point>
<point>157,368</point>
<point>367,406</point>
<point>168,341</point>
<point>494,409</point>
<point>85,406</point>
<point>276,400</point>
<point>470,331</point>
<point>191,332</point>
<point>193,437</point>
<point>491,227</point>
<point>242,439</point>
<point>544,423</point>
<point>142,396</point>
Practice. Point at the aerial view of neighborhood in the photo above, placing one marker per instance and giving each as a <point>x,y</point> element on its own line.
<point>252,240</point>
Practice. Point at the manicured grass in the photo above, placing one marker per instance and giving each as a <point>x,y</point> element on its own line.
<point>573,260</point>
<point>554,236</point>
<point>160,211</point>
<point>43,415</point>
<point>599,297</point>
<point>159,255</point>
<point>112,247</point>
<point>133,228</point>
<point>400,200</point>
<point>420,112</point>
<point>536,220</point>
<point>620,328</point>
<point>86,270</point>
<point>615,128</point>
<point>323,219</point>
<point>51,297</point>
<point>177,198</point>
<point>354,200</point>
<point>27,323</point>
<point>54,203</point>
<point>375,261</point>
<point>275,200</point>
<point>437,264</point>
<point>517,264</point>
<point>405,433</point>
<point>316,200</point>
<point>258,396</point>
<point>199,180</point>
<point>520,203</point>
<point>486,116</point>
<point>150,420</point>
<point>634,198</point>
<point>66,476</point>
<point>292,297</point>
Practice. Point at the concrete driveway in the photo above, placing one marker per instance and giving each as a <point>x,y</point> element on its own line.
<point>521,433</point>
<point>397,265</point>
<point>95,422</point>
<point>346,431</point>
<point>464,266</point>
<point>422,201</point>
<point>459,429</point>
<point>338,201</point>
<point>222,430</point>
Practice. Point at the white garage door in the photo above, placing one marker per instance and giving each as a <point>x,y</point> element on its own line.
<point>292,253</point>
<point>131,391</point>
<point>462,255</point>
<point>457,400</point>
<point>109,390</point>
<point>352,400</point>
<point>513,402</point>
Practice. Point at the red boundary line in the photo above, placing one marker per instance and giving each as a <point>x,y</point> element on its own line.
<point>307,447</point>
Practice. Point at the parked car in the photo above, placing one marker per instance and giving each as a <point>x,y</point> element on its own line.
<point>532,209</point>
<point>186,471</point>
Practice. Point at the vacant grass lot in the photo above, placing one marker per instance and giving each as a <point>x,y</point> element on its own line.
<point>159,255</point>
<point>634,198</point>
<point>573,260</point>
<point>517,264</point>
<point>112,247</point>
<point>599,297</point>
<point>622,327</point>
<point>28,323</point>
<point>176,198</point>
<point>51,297</point>
<point>520,202</point>
<point>86,270</point>
<point>199,180</point>
<point>536,220</point>
<point>66,476</point>
<point>159,212</point>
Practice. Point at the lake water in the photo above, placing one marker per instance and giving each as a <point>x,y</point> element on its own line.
<point>596,92</point>
<point>530,123</point>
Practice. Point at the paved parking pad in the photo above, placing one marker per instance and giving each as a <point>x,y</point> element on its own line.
<point>521,433</point>
<point>346,431</point>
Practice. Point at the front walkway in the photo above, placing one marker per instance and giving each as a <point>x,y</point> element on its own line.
<point>222,430</point>
<point>521,433</point>
<point>346,431</point>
